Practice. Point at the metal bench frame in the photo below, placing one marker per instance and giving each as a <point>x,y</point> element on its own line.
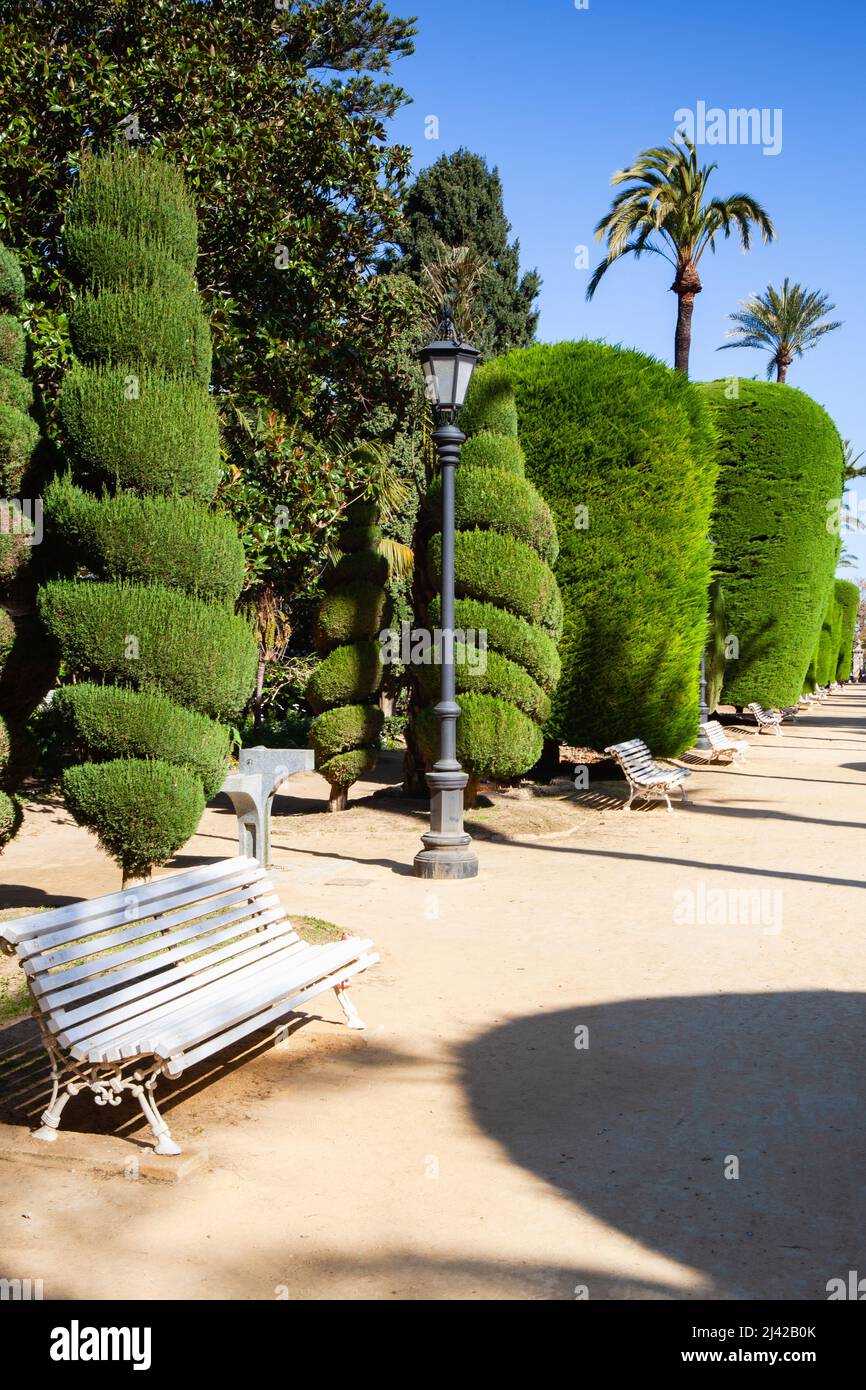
<point>644,776</point>
<point>117,1008</point>
<point>720,743</point>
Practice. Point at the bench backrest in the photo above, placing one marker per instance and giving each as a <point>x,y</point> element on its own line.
<point>759,712</point>
<point>715,733</point>
<point>633,756</point>
<point>131,944</point>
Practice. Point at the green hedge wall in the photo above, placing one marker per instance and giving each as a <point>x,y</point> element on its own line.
<point>151,630</point>
<point>848,599</point>
<point>343,688</point>
<point>619,434</point>
<point>780,459</point>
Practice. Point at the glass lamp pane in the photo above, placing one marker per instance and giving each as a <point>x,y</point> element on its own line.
<point>431,388</point>
<point>465,368</point>
<point>444,368</point>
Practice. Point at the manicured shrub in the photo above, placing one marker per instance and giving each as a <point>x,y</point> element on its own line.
<point>494,739</point>
<point>490,498</point>
<point>154,326</point>
<point>13,344</point>
<point>4,744</point>
<point>142,197</point>
<point>346,727</point>
<point>13,549</point>
<point>848,599</point>
<point>103,256</point>
<point>15,390</point>
<point>149,637</point>
<point>490,450</point>
<point>352,613</point>
<point>347,675</point>
<point>164,438</point>
<point>104,722</point>
<point>503,571</point>
<point>11,280</point>
<point>7,636</point>
<point>361,564</point>
<point>492,675</point>
<point>172,541</point>
<point>491,404</point>
<point>780,457</point>
<point>141,811</point>
<point>10,817</point>
<point>527,646</point>
<point>621,448</point>
<point>19,435</point>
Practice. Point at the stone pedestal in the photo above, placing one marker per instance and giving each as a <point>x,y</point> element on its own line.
<point>252,789</point>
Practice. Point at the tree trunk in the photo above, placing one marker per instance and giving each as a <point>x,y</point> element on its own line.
<point>470,794</point>
<point>782,369</point>
<point>685,287</point>
<point>338,798</point>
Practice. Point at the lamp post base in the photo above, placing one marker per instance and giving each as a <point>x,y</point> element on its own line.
<point>447,851</point>
<point>447,862</point>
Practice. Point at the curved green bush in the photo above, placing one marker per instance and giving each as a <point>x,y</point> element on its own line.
<point>527,646</point>
<point>492,675</point>
<point>347,768</point>
<point>491,498</point>
<point>158,327</point>
<point>102,255</point>
<point>141,811</point>
<point>10,817</point>
<point>360,564</point>
<point>4,744</point>
<point>352,613</point>
<point>141,196</point>
<point>149,637</point>
<point>11,280</point>
<point>19,435</point>
<point>172,541</point>
<point>848,599</point>
<point>106,722</point>
<point>7,636</point>
<point>622,450</point>
<point>144,431</point>
<point>490,403</point>
<point>781,472</point>
<point>490,450</point>
<point>494,739</point>
<point>504,571</point>
<point>346,727</point>
<point>13,343</point>
<point>15,390</point>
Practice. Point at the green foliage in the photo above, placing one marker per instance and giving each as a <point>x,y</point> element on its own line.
<point>10,817</point>
<point>496,500</point>
<point>146,200</point>
<point>347,675</point>
<point>15,390</point>
<point>162,328</point>
<point>11,280</point>
<point>13,344</point>
<point>172,541</point>
<point>504,571</point>
<point>105,722</point>
<point>19,435</point>
<point>346,768</point>
<point>621,435</point>
<point>7,636</point>
<point>141,811</point>
<point>367,565</point>
<point>457,201</point>
<point>523,644</point>
<point>197,653</point>
<point>490,450</point>
<point>104,257</point>
<point>357,538</point>
<point>490,404</point>
<point>494,739</point>
<point>346,727</point>
<point>848,599</point>
<point>351,613</point>
<point>774,549</point>
<point>4,744</point>
<point>165,440</point>
<point>494,675</point>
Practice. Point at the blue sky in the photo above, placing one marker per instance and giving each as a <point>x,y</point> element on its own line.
<point>558,98</point>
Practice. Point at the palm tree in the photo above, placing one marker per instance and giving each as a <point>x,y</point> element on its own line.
<point>786,322</point>
<point>663,211</point>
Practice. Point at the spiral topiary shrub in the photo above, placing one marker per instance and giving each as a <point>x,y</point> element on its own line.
<point>775,550</point>
<point>622,451</point>
<point>505,544</point>
<point>159,656</point>
<point>343,688</point>
<point>848,599</point>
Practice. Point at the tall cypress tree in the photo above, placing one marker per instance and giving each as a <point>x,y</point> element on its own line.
<point>145,620</point>
<point>458,202</point>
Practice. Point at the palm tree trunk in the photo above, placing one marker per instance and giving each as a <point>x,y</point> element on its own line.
<point>782,369</point>
<point>683,336</point>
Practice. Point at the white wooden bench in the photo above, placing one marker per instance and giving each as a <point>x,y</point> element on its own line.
<point>768,721</point>
<point>152,980</point>
<point>721,744</point>
<point>644,776</point>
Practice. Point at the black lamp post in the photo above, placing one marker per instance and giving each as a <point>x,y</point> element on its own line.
<point>447,853</point>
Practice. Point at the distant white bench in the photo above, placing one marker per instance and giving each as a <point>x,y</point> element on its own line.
<point>644,776</point>
<point>768,721</point>
<point>721,744</point>
<point>154,979</point>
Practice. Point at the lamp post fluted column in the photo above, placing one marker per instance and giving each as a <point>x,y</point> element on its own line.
<point>447,851</point>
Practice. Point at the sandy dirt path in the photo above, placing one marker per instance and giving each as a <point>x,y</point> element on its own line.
<point>623,1063</point>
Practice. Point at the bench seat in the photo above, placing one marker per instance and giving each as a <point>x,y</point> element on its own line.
<point>644,776</point>
<point>720,744</point>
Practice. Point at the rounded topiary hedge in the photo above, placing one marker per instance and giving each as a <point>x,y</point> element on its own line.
<point>621,448</point>
<point>10,817</point>
<point>343,687</point>
<point>150,635</point>
<point>508,611</point>
<point>141,431</point>
<point>780,473</point>
<point>848,599</point>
